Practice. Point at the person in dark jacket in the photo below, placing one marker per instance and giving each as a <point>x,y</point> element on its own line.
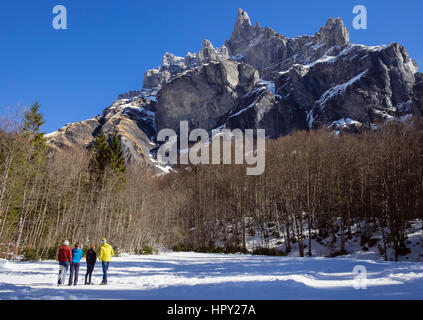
<point>76,261</point>
<point>65,259</point>
<point>91,257</point>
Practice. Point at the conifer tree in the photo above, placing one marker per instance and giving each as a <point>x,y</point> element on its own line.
<point>32,122</point>
<point>100,158</point>
<point>30,167</point>
<point>107,155</point>
<point>117,157</point>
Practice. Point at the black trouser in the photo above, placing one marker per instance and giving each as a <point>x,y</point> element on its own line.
<point>74,269</point>
<point>90,269</point>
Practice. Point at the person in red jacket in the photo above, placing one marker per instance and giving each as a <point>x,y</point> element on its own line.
<point>65,259</point>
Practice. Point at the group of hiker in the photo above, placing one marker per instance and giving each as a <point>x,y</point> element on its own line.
<point>71,259</point>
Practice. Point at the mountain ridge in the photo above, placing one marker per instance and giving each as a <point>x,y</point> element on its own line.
<point>260,79</point>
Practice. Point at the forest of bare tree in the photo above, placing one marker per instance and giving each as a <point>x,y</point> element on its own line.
<point>316,184</point>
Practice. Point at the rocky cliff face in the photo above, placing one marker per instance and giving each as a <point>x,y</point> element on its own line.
<point>367,84</point>
<point>173,66</point>
<point>323,78</point>
<point>203,94</point>
<point>271,52</point>
<point>262,79</point>
<point>418,95</point>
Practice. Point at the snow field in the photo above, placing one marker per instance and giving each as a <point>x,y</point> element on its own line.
<point>193,276</point>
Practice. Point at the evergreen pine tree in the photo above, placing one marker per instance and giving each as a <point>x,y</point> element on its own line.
<point>117,157</point>
<point>107,155</point>
<point>32,122</point>
<point>30,163</point>
<point>100,158</point>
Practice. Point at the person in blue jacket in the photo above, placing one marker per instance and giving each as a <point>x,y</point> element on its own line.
<point>76,261</point>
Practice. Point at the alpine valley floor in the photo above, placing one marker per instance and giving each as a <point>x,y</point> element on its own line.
<point>193,276</point>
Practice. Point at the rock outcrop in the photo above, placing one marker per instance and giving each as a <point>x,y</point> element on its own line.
<point>173,66</point>
<point>418,95</point>
<point>202,95</point>
<point>271,52</point>
<point>262,79</point>
<point>323,78</point>
<point>366,84</point>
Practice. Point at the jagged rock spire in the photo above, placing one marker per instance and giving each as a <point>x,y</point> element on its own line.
<point>210,53</point>
<point>207,51</point>
<point>243,27</point>
<point>334,33</point>
<point>243,17</point>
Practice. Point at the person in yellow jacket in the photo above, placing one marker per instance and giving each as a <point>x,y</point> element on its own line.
<point>106,254</point>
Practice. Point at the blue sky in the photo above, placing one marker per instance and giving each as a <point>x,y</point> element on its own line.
<point>76,73</point>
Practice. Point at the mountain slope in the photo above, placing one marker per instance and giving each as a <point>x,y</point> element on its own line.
<point>261,79</point>
<point>131,118</point>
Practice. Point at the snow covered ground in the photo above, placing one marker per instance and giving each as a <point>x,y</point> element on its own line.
<point>188,275</point>
<point>325,246</point>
